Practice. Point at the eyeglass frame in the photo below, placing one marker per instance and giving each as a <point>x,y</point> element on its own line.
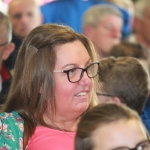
<point>109,95</point>
<point>5,43</point>
<point>82,72</point>
<point>136,147</point>
<point>102,94</point>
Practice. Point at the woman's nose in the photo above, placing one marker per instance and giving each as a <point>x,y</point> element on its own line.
<point>85,79</point>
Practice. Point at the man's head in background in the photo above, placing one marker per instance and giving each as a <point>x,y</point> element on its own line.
<point>128,49</point>
<point>103,25</point>
<point>123,80</point>
<point>6,47</point>
<point>24,15</point>
<point>128,9</point>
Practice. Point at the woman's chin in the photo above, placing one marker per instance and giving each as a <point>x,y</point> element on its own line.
<point>82,107</point>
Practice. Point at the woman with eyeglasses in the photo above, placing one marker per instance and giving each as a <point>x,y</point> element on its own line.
<point>111,127</point>
<point>53,86</point>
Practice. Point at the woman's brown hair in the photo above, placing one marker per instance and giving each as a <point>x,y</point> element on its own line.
<point>33,83</point>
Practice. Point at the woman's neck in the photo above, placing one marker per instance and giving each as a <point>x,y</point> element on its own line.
<point>62,123</point>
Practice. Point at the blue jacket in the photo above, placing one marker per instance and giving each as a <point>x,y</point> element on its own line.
<point>70,12</point>
<point>145,116</point>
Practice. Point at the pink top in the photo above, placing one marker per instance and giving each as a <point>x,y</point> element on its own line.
<point>50,139</point>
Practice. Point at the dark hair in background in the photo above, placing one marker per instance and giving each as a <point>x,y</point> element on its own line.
<point>127,49</point>
<point>125,78</point>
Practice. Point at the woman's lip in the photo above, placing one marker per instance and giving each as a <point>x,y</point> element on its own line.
<point>82,94</point>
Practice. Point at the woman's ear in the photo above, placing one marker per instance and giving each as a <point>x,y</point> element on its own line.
<point>116,100</point>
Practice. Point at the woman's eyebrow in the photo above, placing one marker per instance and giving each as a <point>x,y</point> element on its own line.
<point>74,64</point>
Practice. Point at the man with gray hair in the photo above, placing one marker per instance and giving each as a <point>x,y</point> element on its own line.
<point>6,48</point>
<point>142,24</point>
<point>103,25</point>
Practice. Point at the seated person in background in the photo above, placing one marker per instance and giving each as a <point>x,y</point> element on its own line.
<point>6,48</point>
<point>111,127</point>
<point>129,6</point>
<point>127,49</point>
<point>24,16</point>
<point>124,80</point>
<point>102,24</point>
<point>53,85</point>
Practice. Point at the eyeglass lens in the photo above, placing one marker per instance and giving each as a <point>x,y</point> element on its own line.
<point>143,146</point>
<point>76,74</point>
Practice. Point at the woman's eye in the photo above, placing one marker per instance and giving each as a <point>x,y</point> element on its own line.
<point>72,71</point>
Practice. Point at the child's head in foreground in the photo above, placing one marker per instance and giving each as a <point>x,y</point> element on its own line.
<point>111,127</point>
